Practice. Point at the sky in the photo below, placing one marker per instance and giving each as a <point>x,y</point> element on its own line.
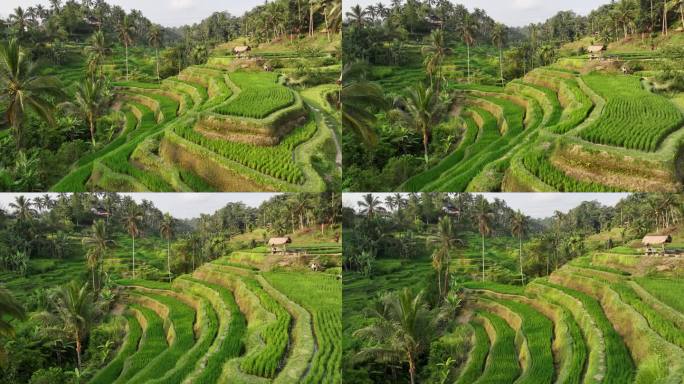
<point>179,205</point>
<point>514,13</point>
<point>536,205</point>
<point>169,13</point>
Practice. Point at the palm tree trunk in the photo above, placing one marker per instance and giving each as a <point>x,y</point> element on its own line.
<point>168,257</point>
<point>501,65</point>
<point>311,28</point>
<point>483,261</point>
<point>425,147</point>
<point>327,27</point>
<point>157,56</point>
<point>92,272</point>
<point>126,45</point>
<point>133,256</point>
<point>91,123</point>
<point>468,45</point>
<point>412,369</point>
<point>16,125</point>
<point>522,276</point>
<point>439,284</point>
<point>78,350</point>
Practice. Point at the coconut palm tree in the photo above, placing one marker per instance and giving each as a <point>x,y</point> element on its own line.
<point>23,208</point>
<point>98,243</point>
<point>72,314</point>
<point>131,220</point>
<point>422,109</point>
<point>518,228</point>
<point>195,242</point>
<point>483,218</point>
<point>125,30</point>
<point>91,99</point>
<point>314,7</point>
<point>357,15</point>
<point>441,258</point>
<point>22,87</point>
<point>97,52</point>
<point>20,20</point>
<point>499,39</point>
<point>154,37</point>
<point>468,29</point>
<point>370,205</point>
<point>166,231</point>
<point>434,54</point>
<point>625,13</point>
<point>360,100</point>
<point>402,331</point>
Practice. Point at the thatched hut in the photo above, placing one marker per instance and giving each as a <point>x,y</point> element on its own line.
<point>595,51</point>
<point>241,50</point>
<point>651,241</point>
<point>279,244</point>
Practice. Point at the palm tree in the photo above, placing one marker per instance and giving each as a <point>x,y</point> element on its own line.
<point>625,12</point>
<point>402,331</point>
<point>97,52</point>
<point>435,54</point>
<point>166,231</point>
<point>357,15</point>
<point>131,220</point>
<point>154,37</point>
<point>91,99</point>
<point>22,87</point>
<point>195,241</point>
<point>370,205</point>
<point>422,109</point>
<point>98,244</point>
<point>468,29</point>
<point>389,202</point>
<point>518,228</point>
<point>441,259</point>
<point>499,39</point>
<point>314,6</point>
<point>23,208</point>
<point>20,20</point>
<point>72,314</point>
<point>360,99</point>
<point>125,31</point>
<point>483,217</point>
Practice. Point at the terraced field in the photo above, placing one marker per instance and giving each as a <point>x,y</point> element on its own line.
<point>592,321</point>
<point>557,130</point>
<point>209,129</point>
<point>227,323</point>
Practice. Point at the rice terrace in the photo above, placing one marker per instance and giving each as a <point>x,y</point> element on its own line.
<point>469,290</point>
<point>108,289</point>
<point>577,103</point>
<point>115,102</point>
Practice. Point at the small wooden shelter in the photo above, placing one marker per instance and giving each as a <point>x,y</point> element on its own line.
<point>279,244</point>
<point>651,241</point>
<point>595,51</point>
<point>241,49</point>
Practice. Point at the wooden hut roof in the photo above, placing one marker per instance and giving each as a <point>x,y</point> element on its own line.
<point>242,48</point>
<point>596,48</point>
<point>656,240</point>
<point>279,241</point>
